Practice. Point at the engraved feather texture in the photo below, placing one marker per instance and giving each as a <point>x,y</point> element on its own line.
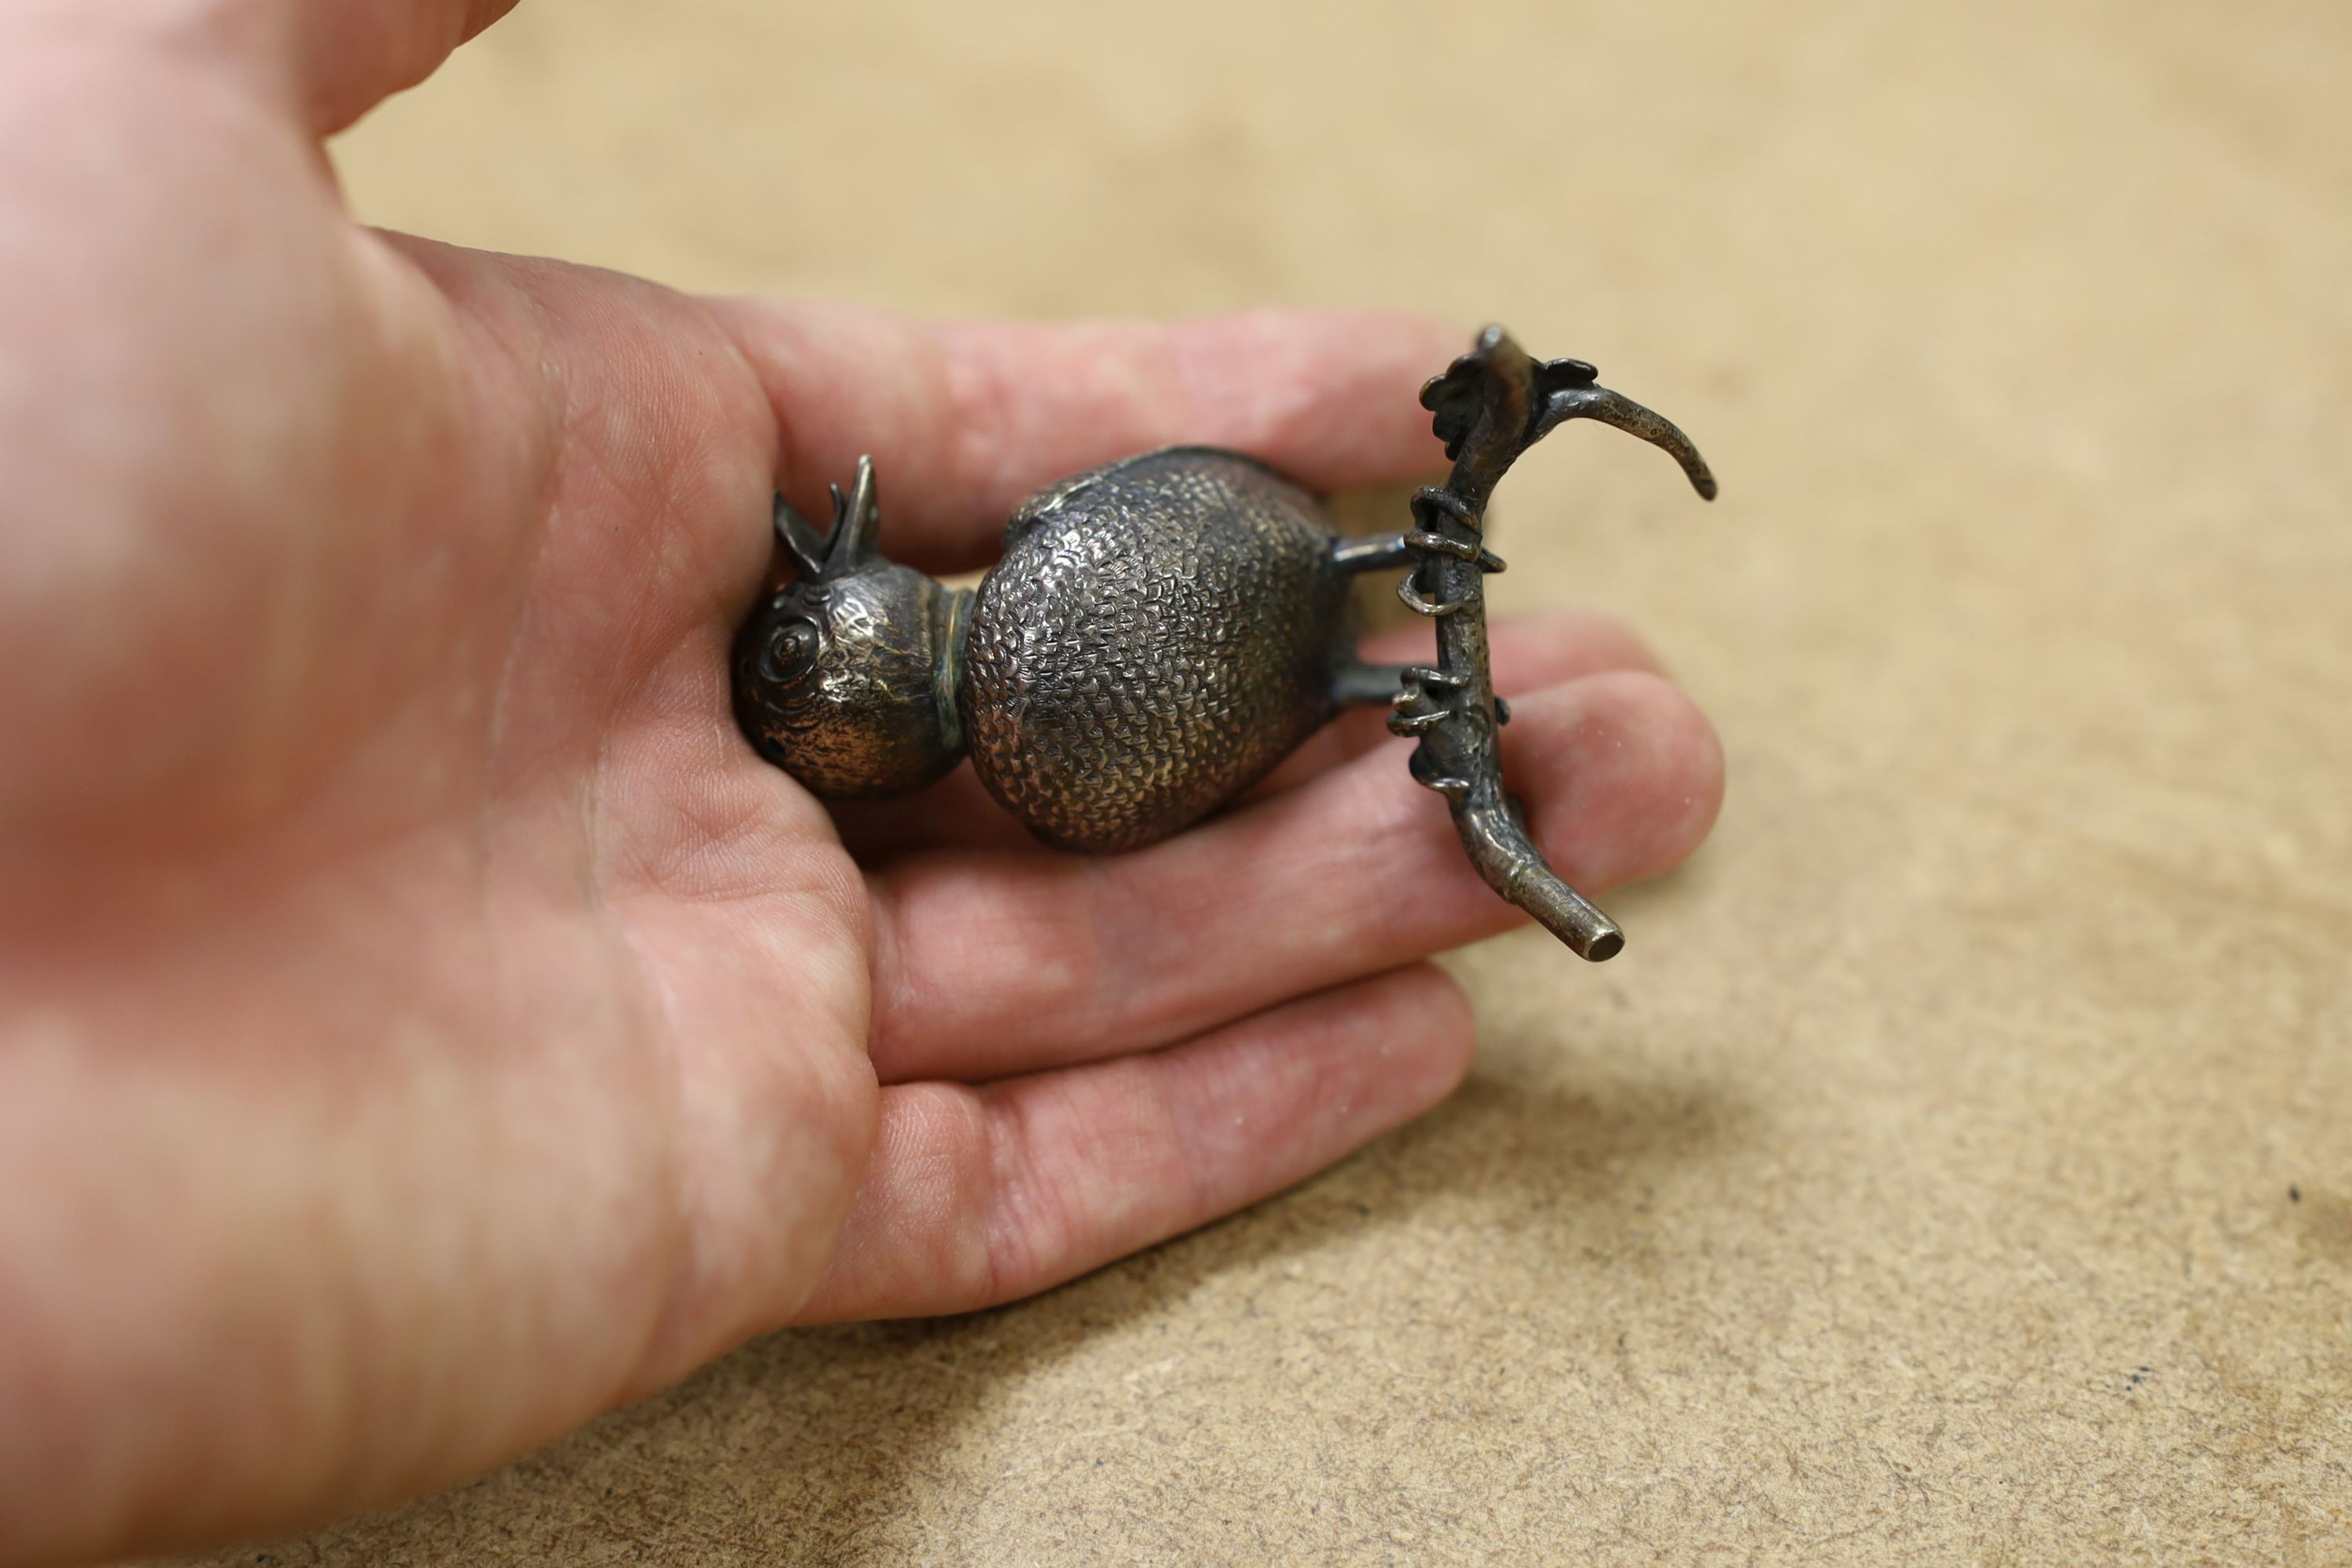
<point>836,681</point>
<point>1159,633</point>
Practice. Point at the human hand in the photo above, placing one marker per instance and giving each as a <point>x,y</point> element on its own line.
<point>423,1022</point>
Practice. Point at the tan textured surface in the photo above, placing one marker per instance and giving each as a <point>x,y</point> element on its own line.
<point>1918,1185</point>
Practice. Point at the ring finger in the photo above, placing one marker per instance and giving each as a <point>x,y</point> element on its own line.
<point>989,963</point>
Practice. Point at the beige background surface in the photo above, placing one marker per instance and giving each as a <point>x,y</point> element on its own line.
<point>1956,1167</point>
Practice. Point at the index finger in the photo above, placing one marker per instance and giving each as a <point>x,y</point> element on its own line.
<point>964,418</point>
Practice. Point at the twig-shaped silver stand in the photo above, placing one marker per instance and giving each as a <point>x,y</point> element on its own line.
<point>1492,404</point>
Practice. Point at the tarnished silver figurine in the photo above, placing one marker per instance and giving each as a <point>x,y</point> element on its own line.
<point>1163,630</point>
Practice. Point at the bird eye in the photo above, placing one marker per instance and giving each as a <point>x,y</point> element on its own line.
<point>791,652</point>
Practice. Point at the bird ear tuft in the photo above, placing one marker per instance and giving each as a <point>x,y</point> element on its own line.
<point>800,539</point>
<point>857,522</point>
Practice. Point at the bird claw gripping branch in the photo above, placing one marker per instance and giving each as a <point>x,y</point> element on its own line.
<point>1492,404</point>
<point>1161,631</point>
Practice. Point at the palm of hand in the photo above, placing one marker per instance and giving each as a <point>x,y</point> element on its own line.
<point>485,1034</point>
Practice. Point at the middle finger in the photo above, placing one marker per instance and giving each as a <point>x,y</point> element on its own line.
<point>1529,653</point>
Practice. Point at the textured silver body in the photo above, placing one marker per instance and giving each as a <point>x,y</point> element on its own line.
<point>1159,633</point>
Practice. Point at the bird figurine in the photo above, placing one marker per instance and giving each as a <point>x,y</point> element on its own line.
<point>1160,631</point>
